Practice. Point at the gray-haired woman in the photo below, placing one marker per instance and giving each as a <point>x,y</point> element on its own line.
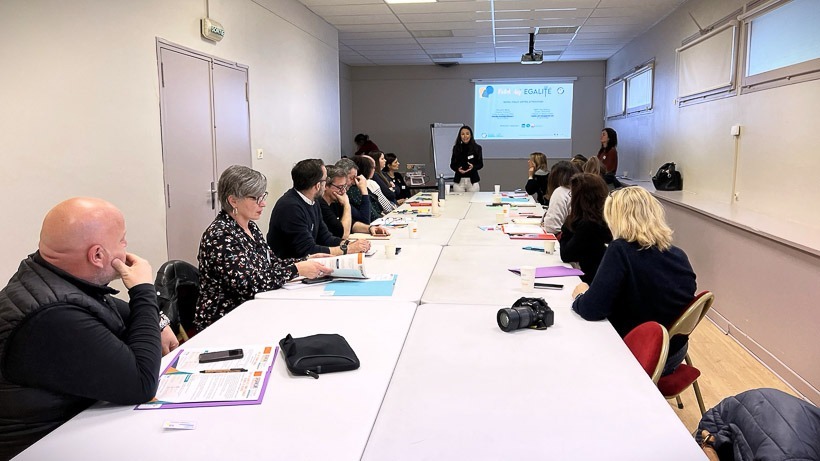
<point>235,262</point>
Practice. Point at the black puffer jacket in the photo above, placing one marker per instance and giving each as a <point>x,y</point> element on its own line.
<point>764,425</point>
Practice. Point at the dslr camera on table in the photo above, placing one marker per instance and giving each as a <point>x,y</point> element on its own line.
<point>532,313</point>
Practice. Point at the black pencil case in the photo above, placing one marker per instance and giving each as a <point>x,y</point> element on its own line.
<point>313,355</point>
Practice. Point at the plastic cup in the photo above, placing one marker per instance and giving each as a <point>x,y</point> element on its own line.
<point>500,218</point>
<point>449,188</point>
<point>390,251</point>
<point>497,189</point>
<point>413,228</point>
<point>549,246</point>
<point>528,279</point>
<point>496,198</point>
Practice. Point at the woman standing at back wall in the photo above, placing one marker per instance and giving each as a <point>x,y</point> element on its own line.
<point>466,161</point>
<point>608,154</point>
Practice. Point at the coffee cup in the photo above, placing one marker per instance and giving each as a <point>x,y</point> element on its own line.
<point>549,246</point>
<point>497,188</point>
<point>527,279</point>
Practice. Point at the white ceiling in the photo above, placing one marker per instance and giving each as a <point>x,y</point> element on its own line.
<point>372,32</point>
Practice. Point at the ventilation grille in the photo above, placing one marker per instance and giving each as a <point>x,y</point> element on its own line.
<point>431,33</point>
<point>446,55</point>
<point>557,30</point>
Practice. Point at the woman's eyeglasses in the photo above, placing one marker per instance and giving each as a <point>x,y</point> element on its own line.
<point>259,199</point>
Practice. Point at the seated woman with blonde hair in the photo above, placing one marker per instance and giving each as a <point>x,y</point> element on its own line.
<point>537,177</point>
<point>642,276</point>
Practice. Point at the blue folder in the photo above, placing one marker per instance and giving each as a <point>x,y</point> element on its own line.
<point>354,288</point>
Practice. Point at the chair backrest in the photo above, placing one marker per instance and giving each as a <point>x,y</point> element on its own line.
<point>649,343</point>
<point>693,314</point>
<point>177,285</point>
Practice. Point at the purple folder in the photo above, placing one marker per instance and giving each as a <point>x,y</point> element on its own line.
<point>552,271</point>
<point>163,406</point>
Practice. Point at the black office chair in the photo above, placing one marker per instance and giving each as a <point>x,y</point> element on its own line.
<point>177,287</point>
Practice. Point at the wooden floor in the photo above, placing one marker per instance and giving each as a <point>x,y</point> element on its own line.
<point>726,369</point>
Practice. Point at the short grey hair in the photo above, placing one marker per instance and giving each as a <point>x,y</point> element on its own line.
<point>346,165</point>
<point>335,172</point>
<point>240,181</point>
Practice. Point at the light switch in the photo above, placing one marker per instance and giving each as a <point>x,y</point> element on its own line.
<point>259,154</point>
<point>735,130</point>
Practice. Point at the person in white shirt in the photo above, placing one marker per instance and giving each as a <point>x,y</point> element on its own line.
<point>559,193</point>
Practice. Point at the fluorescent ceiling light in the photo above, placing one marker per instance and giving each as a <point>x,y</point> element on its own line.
<point>409,1</point>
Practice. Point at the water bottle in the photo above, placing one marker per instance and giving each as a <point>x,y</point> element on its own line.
<point>441,187</point>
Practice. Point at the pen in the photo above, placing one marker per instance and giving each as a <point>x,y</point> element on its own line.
<point>225,370</point>
<point>541,250</point>
<point>549,286</point>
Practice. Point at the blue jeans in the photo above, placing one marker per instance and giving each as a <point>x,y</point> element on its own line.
<point>675,359</point>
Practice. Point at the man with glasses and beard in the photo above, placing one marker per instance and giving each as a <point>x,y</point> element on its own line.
<point>296,226</point>
<point>336,209</point>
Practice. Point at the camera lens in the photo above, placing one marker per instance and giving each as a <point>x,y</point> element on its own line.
<point>513,318</point>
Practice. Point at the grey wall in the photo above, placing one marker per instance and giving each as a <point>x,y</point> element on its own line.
<point>766,292</point>
<point>778,134</point>
<point>396,105</point>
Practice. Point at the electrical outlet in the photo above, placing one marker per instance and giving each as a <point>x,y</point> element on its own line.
<point>259,154</point>
<point>737,197</point>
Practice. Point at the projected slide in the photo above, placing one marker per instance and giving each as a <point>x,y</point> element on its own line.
<point>523,111</point>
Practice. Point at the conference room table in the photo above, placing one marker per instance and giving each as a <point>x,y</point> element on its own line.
<point>300,418</point>
<point>412,266</point>
<point>485,232</point>
<point>479,275</point>
<point>464,389</point>
<point>433,230</point>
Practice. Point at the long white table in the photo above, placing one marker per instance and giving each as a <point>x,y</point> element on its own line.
<point>299,419</point>
<point>478,275</point>
<point>463,389</point>
<point>431,231</point>
<point>413,265</point>
<point>468,232</point>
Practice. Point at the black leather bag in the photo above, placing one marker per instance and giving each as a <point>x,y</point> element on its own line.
<point>317,354</point>
<point>668,178</point>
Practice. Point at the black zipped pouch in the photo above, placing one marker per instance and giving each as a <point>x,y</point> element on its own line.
<point>313,355</point>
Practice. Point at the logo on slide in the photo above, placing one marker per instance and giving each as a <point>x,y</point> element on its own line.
<point>486,91</point>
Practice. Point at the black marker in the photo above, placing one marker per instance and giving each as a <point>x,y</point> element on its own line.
<point>549,286</point>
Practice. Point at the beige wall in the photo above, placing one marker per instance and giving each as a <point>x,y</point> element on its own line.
<point>395,105</point>
<point>81,103</point>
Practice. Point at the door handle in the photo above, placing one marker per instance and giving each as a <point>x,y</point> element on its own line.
<point>213,196</point>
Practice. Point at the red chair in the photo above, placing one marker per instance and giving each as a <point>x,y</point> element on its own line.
<point>687,375</point>
<point>649,343</point>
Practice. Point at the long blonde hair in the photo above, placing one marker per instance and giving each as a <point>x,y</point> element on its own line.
<point>634,215</point>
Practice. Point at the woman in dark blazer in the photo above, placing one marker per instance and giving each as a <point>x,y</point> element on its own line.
<point>466,161</point>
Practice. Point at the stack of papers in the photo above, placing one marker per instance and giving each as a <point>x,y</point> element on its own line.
<point>519,229</point>
<point>376,285</point>
<point>186,383</point>
<point>551,271</point>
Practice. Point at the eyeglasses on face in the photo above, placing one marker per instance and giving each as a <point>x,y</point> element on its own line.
<point>341,188</point>
<point>259,199</point>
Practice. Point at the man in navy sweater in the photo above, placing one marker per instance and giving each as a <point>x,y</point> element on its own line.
<point>296,227</point>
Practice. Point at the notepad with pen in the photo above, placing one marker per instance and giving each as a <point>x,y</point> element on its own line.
<point>186,383</point>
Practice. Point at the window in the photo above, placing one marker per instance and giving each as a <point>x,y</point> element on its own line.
<point>706,65</point>
<point>639,90</point>
<point>782,44</point>
<point>631,93</point>
<point>615,96</point>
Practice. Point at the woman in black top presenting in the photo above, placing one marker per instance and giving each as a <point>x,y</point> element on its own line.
<point>585,234</point>
<point>466,161</point>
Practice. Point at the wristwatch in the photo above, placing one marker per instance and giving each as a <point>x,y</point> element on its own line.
<point>343,246</point>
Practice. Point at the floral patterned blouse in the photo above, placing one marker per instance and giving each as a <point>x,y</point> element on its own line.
<point>233,267</point>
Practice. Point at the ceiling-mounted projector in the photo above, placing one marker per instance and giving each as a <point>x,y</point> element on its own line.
<point>534,56</point>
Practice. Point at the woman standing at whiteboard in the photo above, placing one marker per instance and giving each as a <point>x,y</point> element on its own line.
<point>466,161</point>
<point>608,154</point>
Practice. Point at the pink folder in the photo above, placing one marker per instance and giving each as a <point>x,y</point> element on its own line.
<point>551,271</point>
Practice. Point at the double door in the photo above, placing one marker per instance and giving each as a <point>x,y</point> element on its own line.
<point>205,128</point>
